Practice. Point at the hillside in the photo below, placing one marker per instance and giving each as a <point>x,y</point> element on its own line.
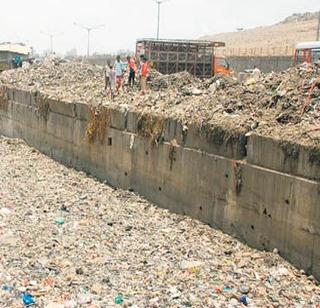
<point>278,39</point>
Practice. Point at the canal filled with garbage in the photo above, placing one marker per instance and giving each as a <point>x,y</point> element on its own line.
<point>68,240</point>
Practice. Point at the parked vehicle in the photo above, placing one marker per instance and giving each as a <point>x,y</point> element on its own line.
<point>195,57</point>
<point>308,52</point>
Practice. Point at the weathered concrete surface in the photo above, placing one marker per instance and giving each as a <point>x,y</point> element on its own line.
<point>229,182</point>
<point>240,63</point>
<point>285,157</point>
<point>265,64</point>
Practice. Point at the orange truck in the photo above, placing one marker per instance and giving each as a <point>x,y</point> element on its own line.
<point>173,56</point>
<point>307,52</point>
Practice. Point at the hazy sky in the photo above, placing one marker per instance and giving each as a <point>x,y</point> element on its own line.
<point>126,20</point>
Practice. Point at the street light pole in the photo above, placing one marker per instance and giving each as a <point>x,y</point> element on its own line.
<point>51,43</point>
<point>51,36</point>
<point>88,29</point>
<point>88,47</point>
<point>159,2</point>
<point>318,32</point>
<point>158,28</point>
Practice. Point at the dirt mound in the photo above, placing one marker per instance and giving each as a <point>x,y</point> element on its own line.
<point>278,39</point>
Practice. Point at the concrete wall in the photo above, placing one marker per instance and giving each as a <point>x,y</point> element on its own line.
<point>240,63</point>
<point>261,190</point>
<point>265,64</point>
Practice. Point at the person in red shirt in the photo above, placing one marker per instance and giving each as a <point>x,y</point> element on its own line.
<point>132,70</point>
<point>144,73</point>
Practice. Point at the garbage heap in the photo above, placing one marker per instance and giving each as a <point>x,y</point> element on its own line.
<point>283,105</point>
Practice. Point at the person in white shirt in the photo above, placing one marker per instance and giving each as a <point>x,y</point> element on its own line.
<point>119,68</point>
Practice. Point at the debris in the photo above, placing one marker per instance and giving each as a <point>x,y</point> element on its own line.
<point>279,272</point>
<point>165,260</point>
<point>55,305</point>
<point>244,300</point>
<point>190,264</point>
<point>227,290</point>
<point>118,299</point>
<point>250,81</point>
<point>233,302</point>
<point>28,299</point>
<point>244,289</point>
<point>59,221</point>
<point>5,211</point>
<point>282,105</point>
<point>7,288</point>
<point>8,239</point>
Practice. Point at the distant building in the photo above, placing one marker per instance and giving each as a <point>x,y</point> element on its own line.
<point>9,51</point>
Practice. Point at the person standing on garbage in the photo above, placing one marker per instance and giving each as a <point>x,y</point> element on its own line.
<point>144,73</point>
<point>119,68</point>
<point>112,81</point>
<point>132,70</point>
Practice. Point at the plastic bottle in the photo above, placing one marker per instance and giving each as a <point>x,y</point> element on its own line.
<point>244,300</point>
<point>27,299</point>
<point>119,299</point>
<point>59,221</point>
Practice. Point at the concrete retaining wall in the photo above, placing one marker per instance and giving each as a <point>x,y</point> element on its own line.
<point>263,191</point>
<point>240,63</point>
<point>265,64</point>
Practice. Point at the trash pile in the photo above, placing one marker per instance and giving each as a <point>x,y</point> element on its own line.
<point>75,242</point>
<point>174,81</point>
<point>68,81</point>
<point>283,105</point>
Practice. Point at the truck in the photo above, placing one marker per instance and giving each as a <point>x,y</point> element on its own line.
<point>194,56</point>
<point>307,52</point>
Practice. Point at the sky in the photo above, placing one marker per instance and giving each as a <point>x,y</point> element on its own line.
<point>126,20</point>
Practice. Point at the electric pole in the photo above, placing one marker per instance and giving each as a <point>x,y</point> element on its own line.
<point>51,36</point>
<point>159,2</point>
<point>318,32</point>
<point>88,29</point>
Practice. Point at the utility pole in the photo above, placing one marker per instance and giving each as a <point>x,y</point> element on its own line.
<point>88,29</point>
<point>159,2</point>
<point>318,32</point>
<point>51,35</point>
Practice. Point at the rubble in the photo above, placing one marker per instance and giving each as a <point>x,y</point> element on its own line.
<point>283,105</point>
<point>116,249</point>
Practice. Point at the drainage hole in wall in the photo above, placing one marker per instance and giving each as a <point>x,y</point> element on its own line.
<point>109,141</point>
<point>147,153</point>
<point>265,212</point>
<point>200,208</point>
<point>252,227</point>
<point>270,216</point>
<point>227,176</point>
<point>160,188</point>
<point>126,173</point>
<point>287,201</point>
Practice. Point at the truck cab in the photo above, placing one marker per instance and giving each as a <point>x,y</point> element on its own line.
<point>307,52</point>
<point>221,66</point>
